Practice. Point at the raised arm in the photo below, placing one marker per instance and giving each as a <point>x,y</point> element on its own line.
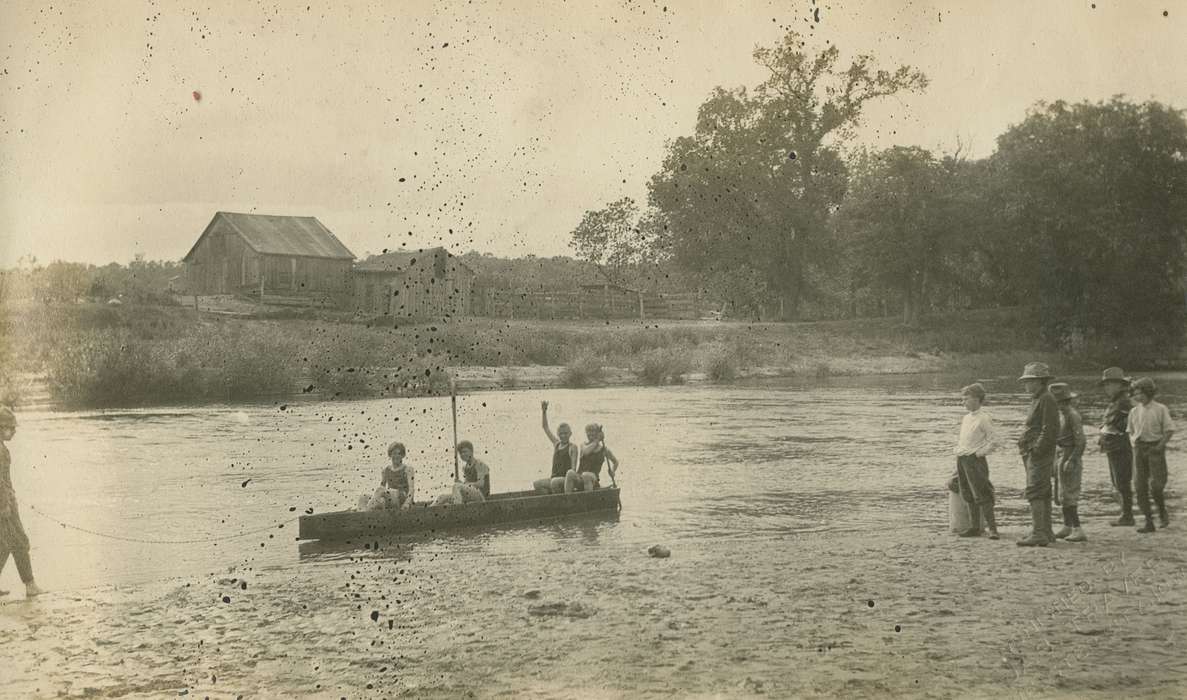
<point>544,422</point>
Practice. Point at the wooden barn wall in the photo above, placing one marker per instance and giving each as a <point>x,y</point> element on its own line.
<point>415,293</point>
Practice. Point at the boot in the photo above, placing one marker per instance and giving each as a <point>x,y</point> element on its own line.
<point>1148,527</point>
<point>1126,518</point>
<point>1164,518</point>
<point>1038,533</point>
<point>975,519</point>
<point>990,521</point>
<point>1047,521</point>
<point>1067,524</point>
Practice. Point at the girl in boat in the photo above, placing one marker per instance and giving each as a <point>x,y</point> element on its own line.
<point>593,455</point>
<point>565,454</point>
<point>474,486</point>
<point>13,539</point>
<point>397,483</point>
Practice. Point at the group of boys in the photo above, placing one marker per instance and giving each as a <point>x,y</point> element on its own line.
<point>1133,438</point>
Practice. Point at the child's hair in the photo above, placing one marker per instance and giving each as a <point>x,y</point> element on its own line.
<point>596,430</point>
<point>975,390</point>
<point>1146,386</point>
<point>396,446</point>
<point>7,417</point>
<point>465,445</point>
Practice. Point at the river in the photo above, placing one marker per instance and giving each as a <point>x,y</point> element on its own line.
<point>164,497</point>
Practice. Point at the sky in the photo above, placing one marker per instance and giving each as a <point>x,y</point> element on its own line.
<point>491,126</point>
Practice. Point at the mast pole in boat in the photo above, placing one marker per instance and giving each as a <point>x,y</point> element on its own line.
<point>453,406</point>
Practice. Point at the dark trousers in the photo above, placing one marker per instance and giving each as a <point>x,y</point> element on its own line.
<point>24,567</point>
<point>1039,472</point>
<point>1121,474</point>
<point>972,479</point>
<point>1150,475</point>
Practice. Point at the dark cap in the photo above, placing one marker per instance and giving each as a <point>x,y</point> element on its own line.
<point>1113,374</point>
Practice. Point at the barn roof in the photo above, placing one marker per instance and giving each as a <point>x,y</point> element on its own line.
<point>401,260</point>
<point>281,235</point>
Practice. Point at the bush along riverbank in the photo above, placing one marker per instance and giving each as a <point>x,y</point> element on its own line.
<point>89,356</point>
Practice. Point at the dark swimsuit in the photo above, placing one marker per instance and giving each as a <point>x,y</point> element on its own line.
<point>593,462</point>
<point>562,460</point>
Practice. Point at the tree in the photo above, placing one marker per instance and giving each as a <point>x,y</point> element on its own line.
<point>1096,194</point>
<point>619,241</point>
<point>750,192</point>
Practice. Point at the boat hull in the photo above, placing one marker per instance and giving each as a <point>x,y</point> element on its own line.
<point>514,507</point>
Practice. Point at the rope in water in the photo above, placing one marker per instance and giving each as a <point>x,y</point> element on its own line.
<point>142,540</point>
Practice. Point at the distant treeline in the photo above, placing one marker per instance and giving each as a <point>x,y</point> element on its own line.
<point>1080,211</point>
<point>140,281</point>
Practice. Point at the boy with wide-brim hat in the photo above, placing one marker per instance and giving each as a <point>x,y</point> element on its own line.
<point>1071,443</point>
<point>1037,447</point>
<point>1114,440</point>
<point>1151,428</point>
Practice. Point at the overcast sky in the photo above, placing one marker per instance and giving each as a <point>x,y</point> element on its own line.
<point>488,126</point>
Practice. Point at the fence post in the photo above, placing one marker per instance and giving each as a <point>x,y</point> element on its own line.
<point>641,314</point>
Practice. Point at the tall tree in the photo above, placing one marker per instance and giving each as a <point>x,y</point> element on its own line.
<point>1097,199</point>
<point>750,192</point>
<point>620,242</point>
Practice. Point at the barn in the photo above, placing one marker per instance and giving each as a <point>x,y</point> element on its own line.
<point>413,284</point>
<point>278,256</point>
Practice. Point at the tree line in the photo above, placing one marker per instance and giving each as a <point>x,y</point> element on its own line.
<point>1081,210</point>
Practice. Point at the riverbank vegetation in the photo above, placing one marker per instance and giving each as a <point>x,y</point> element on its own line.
<point>93,355</point>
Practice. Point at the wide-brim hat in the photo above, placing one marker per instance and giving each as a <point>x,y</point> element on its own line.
<point>1062,391</point>
<point>1113,374</point>
<point>1036,370</point>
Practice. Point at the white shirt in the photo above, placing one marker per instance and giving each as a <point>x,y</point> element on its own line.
<point>977,434</point>
<point>1150,423</point>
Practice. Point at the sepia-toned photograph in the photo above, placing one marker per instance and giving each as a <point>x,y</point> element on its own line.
<point>603,349</point>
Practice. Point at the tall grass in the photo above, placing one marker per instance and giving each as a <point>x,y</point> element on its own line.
<point>583,371</point>
<point>664,366</point>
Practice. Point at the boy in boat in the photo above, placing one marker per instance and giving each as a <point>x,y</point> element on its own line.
<point>1114,441</point>
<point>396,485</point>
<point>593,455</point>
<point>474,487</point>
<point>13,539</point>
<point>1071,444</point>
<point>565,454</point>
<point>977,439</point>
<point>1151,428</point>
<point>1037,447</point>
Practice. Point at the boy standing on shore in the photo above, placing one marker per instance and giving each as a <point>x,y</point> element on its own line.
<point>1114,441</point>
<point>13,540</point>
<point>1071,443</point>
<point>1037,447</point>
<point>977,439</point>
<point>1151,428</point>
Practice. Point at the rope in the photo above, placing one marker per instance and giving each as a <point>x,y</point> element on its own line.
<point>141,540</point>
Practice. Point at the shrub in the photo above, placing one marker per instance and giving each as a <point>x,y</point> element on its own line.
<point>663,366</point>
<point>582,371</point>
<point>721,365</point>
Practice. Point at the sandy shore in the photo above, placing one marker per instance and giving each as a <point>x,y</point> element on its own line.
<point>905,611</point>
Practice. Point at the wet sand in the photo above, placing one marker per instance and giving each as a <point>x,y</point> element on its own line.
<point>908,611</point>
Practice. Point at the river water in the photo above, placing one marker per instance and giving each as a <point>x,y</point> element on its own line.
<point>131,498</point>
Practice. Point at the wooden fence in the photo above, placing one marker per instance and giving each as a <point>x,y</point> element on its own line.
<point>499,303</point>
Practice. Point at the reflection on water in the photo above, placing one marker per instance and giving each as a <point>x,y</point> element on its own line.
<point>754,462</point>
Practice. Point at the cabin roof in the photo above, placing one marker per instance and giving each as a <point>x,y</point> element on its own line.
<point>269,234</point>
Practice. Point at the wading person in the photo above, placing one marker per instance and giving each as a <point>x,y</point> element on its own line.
<point>1114,441</point>
<point>474,486</point>
<point>565,455</point>
<point>13,539</point>
<point>1151,428</point>
<point>1071,444</point>
<point>594,453</point>
<point>976,440</point>
<point>1037,447</point>
<point>396,484</point>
